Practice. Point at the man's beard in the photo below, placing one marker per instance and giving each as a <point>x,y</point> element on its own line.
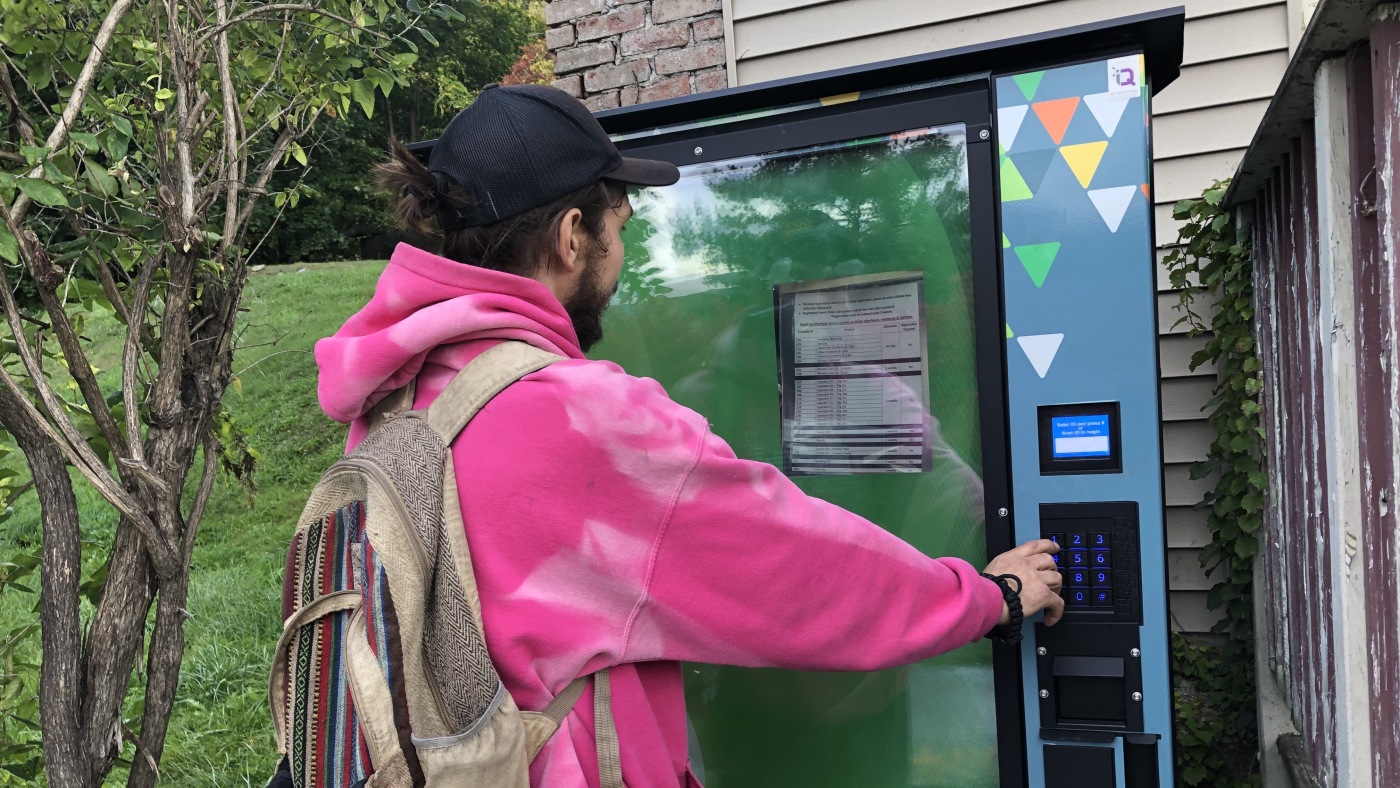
<point>586,305</point>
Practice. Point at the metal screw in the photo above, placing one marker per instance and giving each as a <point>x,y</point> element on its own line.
<point>1137,696</point>
<point>1135,653</point>
<point>1003,512</point>
<point>984,134</point>
<point>1041,651</point>
<point>699,150</point>
<point>1044,694</point>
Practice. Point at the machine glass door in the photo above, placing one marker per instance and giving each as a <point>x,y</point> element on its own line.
<point>817,306</point>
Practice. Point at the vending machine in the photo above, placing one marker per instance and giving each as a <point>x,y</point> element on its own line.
<point>925,289</point>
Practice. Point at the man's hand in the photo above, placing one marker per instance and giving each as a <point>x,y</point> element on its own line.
<point>1034,564</point>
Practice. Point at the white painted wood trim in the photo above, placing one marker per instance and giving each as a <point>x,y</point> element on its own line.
<point>1336,323</point>
<point>731,60</point>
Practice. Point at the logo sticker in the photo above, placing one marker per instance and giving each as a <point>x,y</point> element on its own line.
<point>1124,77</point>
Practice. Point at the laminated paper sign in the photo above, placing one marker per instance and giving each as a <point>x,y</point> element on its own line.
<point>853,365</point>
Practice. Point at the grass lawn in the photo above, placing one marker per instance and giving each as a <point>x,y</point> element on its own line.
<point>221,733</point>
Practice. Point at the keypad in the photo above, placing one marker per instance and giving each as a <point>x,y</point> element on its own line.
<point>1098,559</point>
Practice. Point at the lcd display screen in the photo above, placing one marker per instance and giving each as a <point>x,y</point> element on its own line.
<point>1081,436</point>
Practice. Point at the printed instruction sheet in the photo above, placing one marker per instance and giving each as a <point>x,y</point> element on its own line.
<point>853,366</point>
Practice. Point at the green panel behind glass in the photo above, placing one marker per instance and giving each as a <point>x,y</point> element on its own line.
<point>694,310</point>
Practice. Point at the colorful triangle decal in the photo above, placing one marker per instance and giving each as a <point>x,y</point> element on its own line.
<point>1033,166</point>
<point>1107,110</point>
<point>1008,123</point>
<point>1013,186</point>
<point>1147,191</point>
<point>1037,260</point>
<point>1113,204</point>
<point>1005,242</point>
<point>1055,115</point>
<point>1029,83</point>
<point>1084,159</point>
<point>1009,335</point>
<point>1040,350</point>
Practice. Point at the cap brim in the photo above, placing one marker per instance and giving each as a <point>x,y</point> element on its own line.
<point>645,172</point>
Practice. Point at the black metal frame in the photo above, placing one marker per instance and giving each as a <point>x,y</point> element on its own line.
<point>967,103</point>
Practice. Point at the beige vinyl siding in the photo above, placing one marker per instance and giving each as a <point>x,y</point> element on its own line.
<point>1235,53</point>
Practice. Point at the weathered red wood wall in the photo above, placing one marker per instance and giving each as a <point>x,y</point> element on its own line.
<point>1378,396</point>
<point>1300,533</point>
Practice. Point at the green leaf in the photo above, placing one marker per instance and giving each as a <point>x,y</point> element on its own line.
<point>431,39</point>
<point>414,7</point>
<point>165,94</point>
<point>85,140</point>
<point>299,154</point>
<point>101,181</point>
<point>9,247</point>
<point>123,125</point>
<point>42,192</point>
<point>363,91</point>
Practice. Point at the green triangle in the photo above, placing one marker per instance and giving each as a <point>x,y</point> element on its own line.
<point>1013,186</point>
<point>1009,335</point>
<point>1005,242</point>
<point>1029,83</point>
<point>1037,259</point>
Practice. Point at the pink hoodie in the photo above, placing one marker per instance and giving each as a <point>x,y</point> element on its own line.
<point>610,528</point>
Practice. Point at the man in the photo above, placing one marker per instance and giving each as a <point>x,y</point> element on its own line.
<point>608,526</point>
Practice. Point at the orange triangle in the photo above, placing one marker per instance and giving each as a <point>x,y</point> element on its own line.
<point>1055,115</point>
<point>1146,191</point>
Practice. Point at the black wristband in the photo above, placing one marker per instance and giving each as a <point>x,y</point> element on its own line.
<point>1010,632</point>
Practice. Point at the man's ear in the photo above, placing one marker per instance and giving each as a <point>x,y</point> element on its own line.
<point>570,242</point>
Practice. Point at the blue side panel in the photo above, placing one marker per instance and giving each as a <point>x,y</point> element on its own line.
<point>1080,299</point>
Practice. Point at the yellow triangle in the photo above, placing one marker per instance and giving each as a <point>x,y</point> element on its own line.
<point>1084,159</point>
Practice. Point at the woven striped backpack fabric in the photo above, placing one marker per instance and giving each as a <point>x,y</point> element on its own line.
<point>381,677</point>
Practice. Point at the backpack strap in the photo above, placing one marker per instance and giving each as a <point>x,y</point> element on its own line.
<point>485,377</point>
<point>604,726</point>
<point>605,733</point>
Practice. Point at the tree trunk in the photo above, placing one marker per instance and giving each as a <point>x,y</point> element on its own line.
<point>114,644</point>
<point>60,673</point>
<point>162,679</point>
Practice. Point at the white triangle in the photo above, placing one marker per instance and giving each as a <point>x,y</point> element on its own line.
<point>1040,349</point>
<point>1009,123</point>
<point>1113,203</point>
<point>1107,110</point>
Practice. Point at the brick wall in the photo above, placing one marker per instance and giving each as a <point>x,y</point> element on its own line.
<point>615,53</point>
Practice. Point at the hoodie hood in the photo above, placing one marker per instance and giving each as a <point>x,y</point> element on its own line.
<point>425,305</point>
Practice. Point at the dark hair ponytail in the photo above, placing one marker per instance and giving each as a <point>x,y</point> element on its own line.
<point>518,245</point>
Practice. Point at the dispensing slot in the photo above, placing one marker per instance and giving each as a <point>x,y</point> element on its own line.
<point>1090,691</point>
<point>1070,766</point>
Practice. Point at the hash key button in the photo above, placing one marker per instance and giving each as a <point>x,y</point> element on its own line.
<point>1102,597</point>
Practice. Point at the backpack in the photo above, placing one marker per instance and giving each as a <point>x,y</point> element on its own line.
<point>381,677</point>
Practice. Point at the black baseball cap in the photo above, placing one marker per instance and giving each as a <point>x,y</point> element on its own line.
<point>519,147</point>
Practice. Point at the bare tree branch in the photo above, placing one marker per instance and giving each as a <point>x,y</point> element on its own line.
<point>272,8</point>
<point>230,153</point>
<point>77,97</point>
<point>23,124</point>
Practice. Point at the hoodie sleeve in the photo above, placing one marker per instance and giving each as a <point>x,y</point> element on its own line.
<point>749,570</point>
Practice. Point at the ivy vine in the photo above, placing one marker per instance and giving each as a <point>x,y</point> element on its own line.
<point>1217,741</point>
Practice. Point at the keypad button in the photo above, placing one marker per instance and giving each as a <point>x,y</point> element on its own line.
<point>1101,578</point>
<point>1078,577</point>
<point>1102,597</point>
<point>1078,558</point>
<point>1078,539</point>
<point>1100,558</point>
<point>1057,538</point>
<point>1098,539</point>
<point>1079,597</point>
